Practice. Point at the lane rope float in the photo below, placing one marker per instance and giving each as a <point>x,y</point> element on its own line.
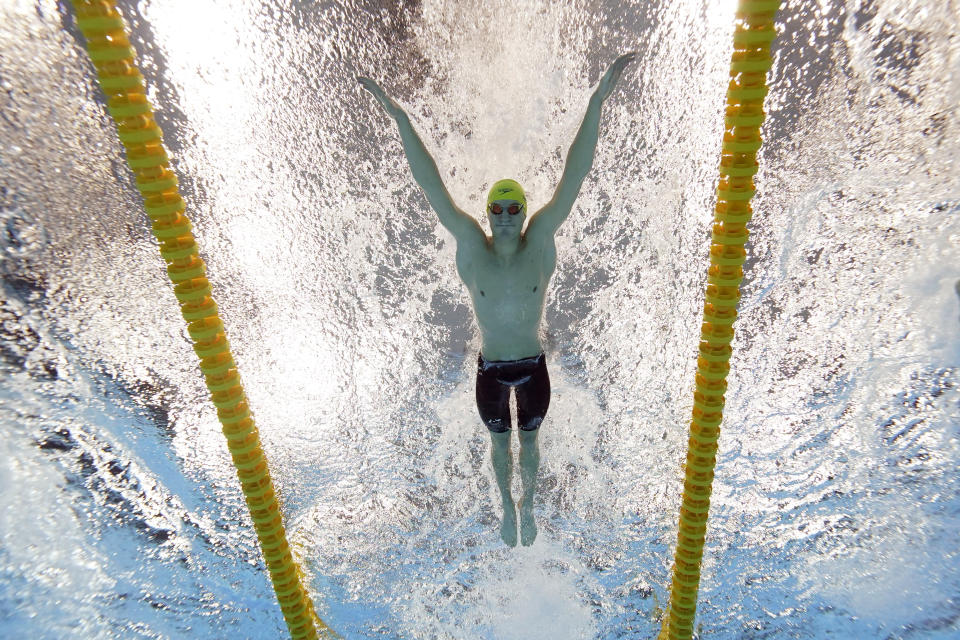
<point>749,64</point>
<point>112,55</point>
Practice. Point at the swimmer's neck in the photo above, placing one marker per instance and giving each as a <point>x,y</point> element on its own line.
<point>504,246</point>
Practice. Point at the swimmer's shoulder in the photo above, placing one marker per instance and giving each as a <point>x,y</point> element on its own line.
<point>541,242</point>
<point>471,253</point>
<point>472,242</point>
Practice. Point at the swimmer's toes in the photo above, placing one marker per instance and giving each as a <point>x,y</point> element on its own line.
<point>528,528</point>
<point>508,530</point>
<point>508,535</point>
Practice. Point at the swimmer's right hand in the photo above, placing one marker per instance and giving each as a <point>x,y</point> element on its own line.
<point>612,76</point>
<point>391,107</point>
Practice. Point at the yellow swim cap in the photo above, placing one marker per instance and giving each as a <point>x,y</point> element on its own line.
<point>507,190</point>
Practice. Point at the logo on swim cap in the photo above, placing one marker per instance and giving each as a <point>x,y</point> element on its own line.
<point>507,189</point>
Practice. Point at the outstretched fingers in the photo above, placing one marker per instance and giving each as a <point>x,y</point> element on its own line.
<point>612,76</point>
<point>625,59</point>
<point>391,107</point>
<point>372,87</point>
<point>616,69</point>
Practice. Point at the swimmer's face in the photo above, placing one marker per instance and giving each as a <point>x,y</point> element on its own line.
<point>506,223</point>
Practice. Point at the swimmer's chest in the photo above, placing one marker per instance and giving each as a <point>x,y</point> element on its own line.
<point>493,282</point>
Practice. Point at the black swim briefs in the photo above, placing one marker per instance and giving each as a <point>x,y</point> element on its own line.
<point>532,383</point>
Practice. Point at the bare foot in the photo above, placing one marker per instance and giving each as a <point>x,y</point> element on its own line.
<point>508,530</point>
<point>528,524</point>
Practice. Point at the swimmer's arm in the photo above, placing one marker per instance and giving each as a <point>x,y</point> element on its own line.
<point>580,157</point>
<point>425,171</point>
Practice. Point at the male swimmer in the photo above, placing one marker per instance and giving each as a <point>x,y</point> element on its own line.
<point>507,276</point>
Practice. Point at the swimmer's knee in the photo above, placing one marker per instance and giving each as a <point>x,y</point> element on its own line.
<point>532,424</point>
<point>496,425</point>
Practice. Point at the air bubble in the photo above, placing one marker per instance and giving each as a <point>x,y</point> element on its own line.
<point>21,235</point>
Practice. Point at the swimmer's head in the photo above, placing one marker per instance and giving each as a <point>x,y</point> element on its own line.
<point>506,208</point>
<point>506,189</point>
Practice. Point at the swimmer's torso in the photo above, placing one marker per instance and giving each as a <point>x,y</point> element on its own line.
<point>508,295</point>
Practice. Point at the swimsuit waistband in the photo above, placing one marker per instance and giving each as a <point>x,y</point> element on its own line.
<point>531,360</point>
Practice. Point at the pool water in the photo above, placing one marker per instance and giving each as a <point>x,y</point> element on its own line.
<point>836,501</point>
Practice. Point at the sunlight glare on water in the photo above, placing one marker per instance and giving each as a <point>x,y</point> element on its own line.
<point>836,494</point>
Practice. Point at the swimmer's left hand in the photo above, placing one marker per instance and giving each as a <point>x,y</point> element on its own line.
<point>388,104</point>
<point>610,78</point>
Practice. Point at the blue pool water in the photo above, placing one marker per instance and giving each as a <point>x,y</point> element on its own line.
<point>836,502</point>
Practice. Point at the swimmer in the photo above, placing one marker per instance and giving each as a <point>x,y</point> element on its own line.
<point>507,277</point>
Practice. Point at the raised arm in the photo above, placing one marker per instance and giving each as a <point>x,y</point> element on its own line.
<point>547,220</point>
<point>457,222</point>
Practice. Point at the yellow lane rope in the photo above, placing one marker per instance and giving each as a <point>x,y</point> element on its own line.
<point>113,57</point>
<point>738,164</point>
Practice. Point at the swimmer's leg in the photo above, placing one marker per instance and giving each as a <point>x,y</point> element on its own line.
<point>529,465</point>
<point>533,400</point>
<point>493,404</point>
<point>502,459</point>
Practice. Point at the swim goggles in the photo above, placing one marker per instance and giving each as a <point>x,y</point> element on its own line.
<point>513,209</point>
